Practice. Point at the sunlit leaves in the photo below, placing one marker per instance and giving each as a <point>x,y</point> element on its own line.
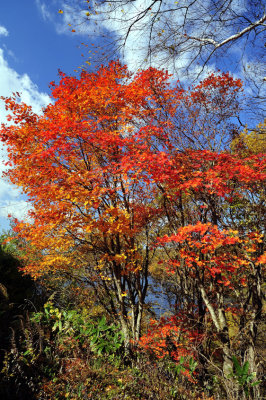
<point>121,167</point>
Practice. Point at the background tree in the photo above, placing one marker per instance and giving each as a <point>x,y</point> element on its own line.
<point>251,142</point>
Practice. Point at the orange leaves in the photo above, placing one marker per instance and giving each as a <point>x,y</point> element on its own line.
<point>216,91</point>
<point>172,338</point>
<point>222,82</point>
<point>262,259</point>
<point>115,221</point>
<point>205,247</point>
<point>208,235</point>
<point>204,171</point>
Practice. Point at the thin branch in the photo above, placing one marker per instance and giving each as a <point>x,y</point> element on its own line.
<point>230,38</point>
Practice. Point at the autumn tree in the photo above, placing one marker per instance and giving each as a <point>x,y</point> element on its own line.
<point>215,208</point>
<point>216,259</point>
<point>94,211</point>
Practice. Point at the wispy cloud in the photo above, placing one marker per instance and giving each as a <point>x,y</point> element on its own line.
<point>10,53</point>
<point>72,17</point>
<point>3,31</point>
<point>42,7</point>
<point>75,19</point>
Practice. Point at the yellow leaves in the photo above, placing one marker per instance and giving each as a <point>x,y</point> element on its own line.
<point>115,220</point>
<point>232,232</point>
<point>253,142</point>
<point>120,258</point>
<point>251,249</point>
<point>86,203</point>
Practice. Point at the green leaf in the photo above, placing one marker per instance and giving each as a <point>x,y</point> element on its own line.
<point>55,326</point>
<point>237,366</point>
<point>245,368</point>
<point>255,383</point>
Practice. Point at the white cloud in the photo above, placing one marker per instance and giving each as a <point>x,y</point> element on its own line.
<point>3,31</point>
<point>110,25</point>
<point>16,208</point>
<point>10,81</point>
<point>113,23</point>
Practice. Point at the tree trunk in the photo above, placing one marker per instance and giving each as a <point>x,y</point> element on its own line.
<point>220,323</point>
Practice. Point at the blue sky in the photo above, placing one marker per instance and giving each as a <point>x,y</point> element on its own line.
<point>36,40</point>
<point>34,44</point>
